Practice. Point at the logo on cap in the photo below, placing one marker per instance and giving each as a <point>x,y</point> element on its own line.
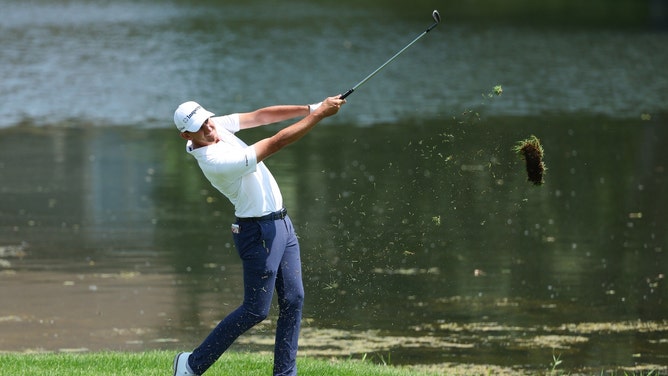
<point>185,119</point>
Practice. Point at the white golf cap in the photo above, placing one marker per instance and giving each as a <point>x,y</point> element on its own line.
<point>190,116</point>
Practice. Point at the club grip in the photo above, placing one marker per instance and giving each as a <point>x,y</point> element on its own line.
<point>347,93</point>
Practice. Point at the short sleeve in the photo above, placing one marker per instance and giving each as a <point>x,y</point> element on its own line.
<point>229,122</point>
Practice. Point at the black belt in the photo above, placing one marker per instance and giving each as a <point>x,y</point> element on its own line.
<point>269,217</point>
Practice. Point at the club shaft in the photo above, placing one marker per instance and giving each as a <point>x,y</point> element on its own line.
<point>347,93</point>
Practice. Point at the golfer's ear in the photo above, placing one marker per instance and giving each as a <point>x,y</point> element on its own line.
<point>186,135</point>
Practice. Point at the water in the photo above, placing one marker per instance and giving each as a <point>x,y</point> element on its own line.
<point>123,63</point>
<point>422,239</point>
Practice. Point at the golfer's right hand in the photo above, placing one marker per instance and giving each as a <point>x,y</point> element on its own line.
<point>329,106</point>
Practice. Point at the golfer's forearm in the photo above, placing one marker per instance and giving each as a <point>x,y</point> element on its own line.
<point>285,136</point>
<point>297,130</point>
<point>273,114</point>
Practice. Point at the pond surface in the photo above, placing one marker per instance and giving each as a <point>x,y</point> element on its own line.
<point>422,240</point>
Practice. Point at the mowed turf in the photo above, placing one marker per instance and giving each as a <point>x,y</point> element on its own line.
<point>160,363</point>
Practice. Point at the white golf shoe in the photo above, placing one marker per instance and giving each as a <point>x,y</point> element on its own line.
<point>181,367</point>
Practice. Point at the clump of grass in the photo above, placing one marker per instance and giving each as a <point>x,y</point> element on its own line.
<point>532,152</point>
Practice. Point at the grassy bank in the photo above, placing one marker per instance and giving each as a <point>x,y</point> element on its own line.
<point>160,363</point>
<point>235,364</point>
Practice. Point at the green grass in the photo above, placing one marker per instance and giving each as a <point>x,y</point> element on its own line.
<point>232,364</point>
<point>160,363</point>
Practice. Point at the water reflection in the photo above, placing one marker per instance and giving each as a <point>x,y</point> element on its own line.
<point>433,232</point>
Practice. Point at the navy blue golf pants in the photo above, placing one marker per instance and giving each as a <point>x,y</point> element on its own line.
<point>270,253</point>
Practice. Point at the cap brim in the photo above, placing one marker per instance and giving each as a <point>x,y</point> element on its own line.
<point>195,122</point>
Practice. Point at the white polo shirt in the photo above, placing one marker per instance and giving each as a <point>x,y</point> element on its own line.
<point>231,166</point>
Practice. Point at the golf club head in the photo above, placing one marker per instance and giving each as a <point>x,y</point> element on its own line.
<point>436,16</point>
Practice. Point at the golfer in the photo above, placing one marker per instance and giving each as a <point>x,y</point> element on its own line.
<point>263,233</point>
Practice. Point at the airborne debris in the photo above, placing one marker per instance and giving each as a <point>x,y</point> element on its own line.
<point>532,152</point>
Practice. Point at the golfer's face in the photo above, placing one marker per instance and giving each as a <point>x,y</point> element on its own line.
<point>207,132</point>
<point>205,135</point>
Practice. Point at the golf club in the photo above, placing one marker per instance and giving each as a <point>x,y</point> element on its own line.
<point>437,19</point>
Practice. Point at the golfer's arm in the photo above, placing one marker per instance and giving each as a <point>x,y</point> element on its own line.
<point>272,114</point>
<point>268,146</point>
